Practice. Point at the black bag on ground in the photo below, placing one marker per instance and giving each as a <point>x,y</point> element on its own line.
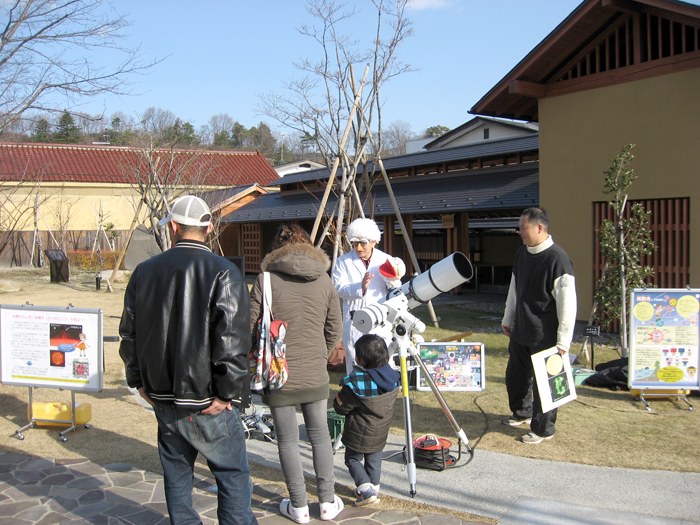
<point>612,375</point>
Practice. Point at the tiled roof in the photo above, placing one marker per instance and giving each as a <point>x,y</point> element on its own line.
<point>484,190</point>
<point>424,158</point>
<point>117,165</point>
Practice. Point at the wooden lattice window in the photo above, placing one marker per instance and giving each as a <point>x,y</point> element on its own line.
<point>669,223</point>
<point>252,247</point>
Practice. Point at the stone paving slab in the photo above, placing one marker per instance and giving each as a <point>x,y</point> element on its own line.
<point>45,491</point>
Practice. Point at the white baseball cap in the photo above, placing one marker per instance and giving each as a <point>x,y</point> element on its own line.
<point>190,211</point>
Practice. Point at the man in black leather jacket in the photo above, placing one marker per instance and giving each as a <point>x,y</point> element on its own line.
<point>185,343</point>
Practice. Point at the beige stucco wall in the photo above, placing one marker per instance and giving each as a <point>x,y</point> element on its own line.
<point>579,135</point>
<point>82,201</point>
<point>499,250</point>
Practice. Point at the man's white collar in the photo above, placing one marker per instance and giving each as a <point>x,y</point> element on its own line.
<point>541,246</point>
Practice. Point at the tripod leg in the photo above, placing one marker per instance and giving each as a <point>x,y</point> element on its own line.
<point>410,460</point>
<point>337,443</point>
<point>443,404</point>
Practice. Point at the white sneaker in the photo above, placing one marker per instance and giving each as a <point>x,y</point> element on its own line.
<point>330,510</point>
<point>299,515</point>
<point>533,438</point>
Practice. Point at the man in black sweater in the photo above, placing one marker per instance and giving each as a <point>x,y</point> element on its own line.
<point>540,313</point>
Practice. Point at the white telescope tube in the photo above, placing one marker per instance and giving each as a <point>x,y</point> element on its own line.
<point>394,310</point>
<point>442,277</point>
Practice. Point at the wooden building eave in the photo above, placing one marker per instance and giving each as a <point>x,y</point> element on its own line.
<point>602,42</point>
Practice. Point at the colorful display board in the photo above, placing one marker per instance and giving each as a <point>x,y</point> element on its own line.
<point>51,347</point>
<point>664,339</point>
<point>453,366</point>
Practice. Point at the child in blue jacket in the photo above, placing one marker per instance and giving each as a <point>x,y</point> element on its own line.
<point>367,400</point>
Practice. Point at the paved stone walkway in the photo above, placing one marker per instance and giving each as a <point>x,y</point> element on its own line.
<point>44,491</point>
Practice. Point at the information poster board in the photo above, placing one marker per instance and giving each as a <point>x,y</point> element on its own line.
<point>664,339</point>
<point>51,347</point>
<point>453,366</point>
<point>555,381</point>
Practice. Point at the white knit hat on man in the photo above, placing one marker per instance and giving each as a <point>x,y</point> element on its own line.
<point>363,230</point>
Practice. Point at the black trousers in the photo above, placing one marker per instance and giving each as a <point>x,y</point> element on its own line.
<point>523,396</point>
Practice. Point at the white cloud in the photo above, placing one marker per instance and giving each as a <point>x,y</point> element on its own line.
<point>419,5</point>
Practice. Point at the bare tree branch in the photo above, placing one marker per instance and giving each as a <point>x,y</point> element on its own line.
<point>161,175</point>
<point>62,212</point>
<point>47,48</point>
<point>16,208</point>
<point>395,137</point>
<point>319,102</point>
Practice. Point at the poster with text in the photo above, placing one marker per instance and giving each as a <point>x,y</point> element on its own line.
<point>51,347</point>
<point>555,381</point>
<point>664,339</point>
<point>452,366</point>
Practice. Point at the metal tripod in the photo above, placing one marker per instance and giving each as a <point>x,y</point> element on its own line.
<point>405,347</point>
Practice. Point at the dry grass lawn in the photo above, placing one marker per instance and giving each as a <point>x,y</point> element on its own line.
<point>121,430</point>
<point>600,428</point>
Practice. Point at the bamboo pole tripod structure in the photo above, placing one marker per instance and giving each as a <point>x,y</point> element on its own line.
<point>348,186</point>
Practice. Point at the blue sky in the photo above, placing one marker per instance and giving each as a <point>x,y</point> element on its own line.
<point>222,54</point>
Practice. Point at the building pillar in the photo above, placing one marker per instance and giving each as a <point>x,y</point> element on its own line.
<point>389,235</point>
<point>463,244</point>
<point>408,221</point>
<point>463,233</point>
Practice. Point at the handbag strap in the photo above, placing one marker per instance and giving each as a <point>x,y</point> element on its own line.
<point>267,298</point>
<point>267,321</point>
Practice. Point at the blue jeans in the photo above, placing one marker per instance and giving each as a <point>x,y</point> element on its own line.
<point>220,439</point>
<point>370,472</point>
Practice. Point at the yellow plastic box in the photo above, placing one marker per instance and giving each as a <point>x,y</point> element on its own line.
<point>59,412</point>
<point>659,393</point>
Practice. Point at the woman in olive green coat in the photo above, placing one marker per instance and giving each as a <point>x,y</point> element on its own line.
<point>303,295</point>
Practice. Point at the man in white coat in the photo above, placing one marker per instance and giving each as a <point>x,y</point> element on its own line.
<point>359,282</point>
